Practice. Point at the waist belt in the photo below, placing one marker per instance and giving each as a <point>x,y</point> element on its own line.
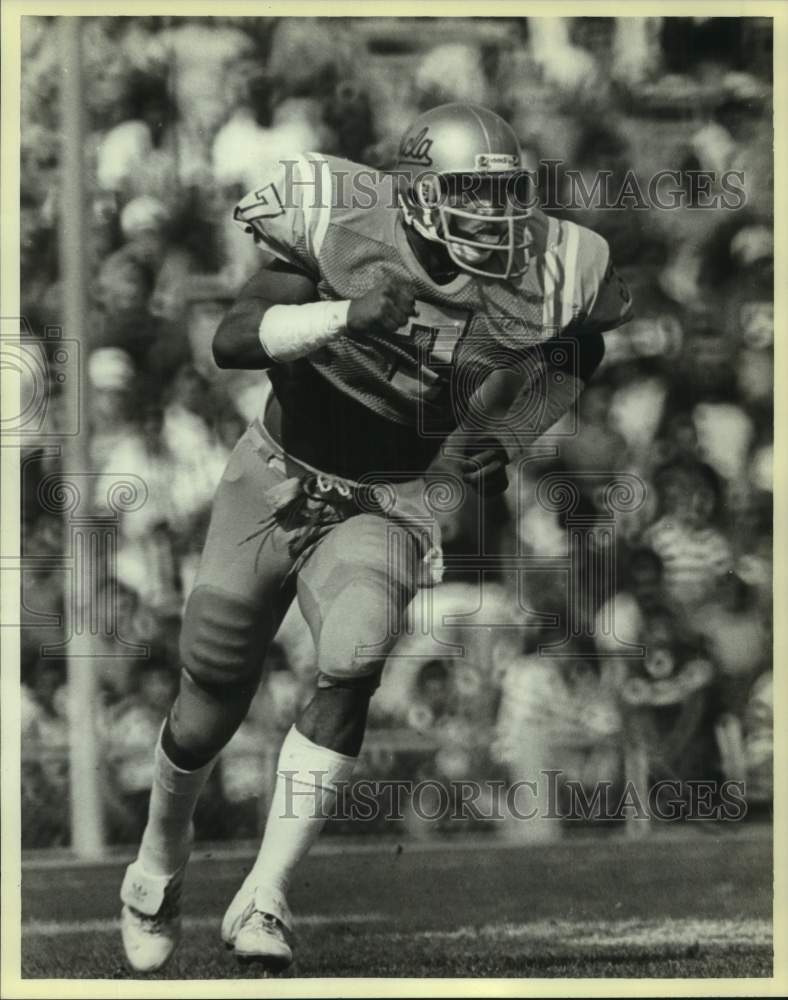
<point>346,496</point>
<point>309,500</point>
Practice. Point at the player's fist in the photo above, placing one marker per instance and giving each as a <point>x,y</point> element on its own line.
<point>383,309</point>
<point>483,465</point>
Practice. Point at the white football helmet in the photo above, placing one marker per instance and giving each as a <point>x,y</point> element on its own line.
<point>463,184</point>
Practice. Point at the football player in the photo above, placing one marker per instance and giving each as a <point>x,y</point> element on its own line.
<point>401,313</point>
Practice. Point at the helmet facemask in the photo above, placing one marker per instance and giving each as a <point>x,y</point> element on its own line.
<point>477,217</point>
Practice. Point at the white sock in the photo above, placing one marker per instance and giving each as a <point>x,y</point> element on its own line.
<point>167,839</point>
<point>301,802</point>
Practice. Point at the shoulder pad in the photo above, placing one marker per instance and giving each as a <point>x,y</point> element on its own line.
<point>606,301</point>
<point>288,213</point>
<point>581,285</point>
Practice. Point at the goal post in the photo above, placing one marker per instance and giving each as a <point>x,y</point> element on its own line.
<point>85,759</point>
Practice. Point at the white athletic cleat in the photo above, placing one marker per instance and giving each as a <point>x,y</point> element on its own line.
<point>258,927</point>
<point>150,921</point>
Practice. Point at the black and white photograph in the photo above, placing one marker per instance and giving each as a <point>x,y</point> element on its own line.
<point>388,520</point>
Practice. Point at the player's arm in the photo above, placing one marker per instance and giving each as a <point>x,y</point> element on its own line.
<point>237,343</point>
<point>561,371</point>
<point>564,367</point>
<point>502,430</point>
<point>279,317</point>
<point>597,300</point>
<point>566,363</point>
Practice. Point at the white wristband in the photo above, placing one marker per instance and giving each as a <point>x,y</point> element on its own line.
<point>290,332</point>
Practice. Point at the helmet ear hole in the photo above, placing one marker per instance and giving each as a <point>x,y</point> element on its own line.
<point>427,190</point>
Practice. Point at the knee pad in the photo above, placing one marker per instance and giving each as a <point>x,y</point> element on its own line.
<point>358,630</point>
<point>223,638</point>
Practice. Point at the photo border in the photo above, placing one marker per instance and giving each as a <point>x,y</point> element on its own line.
<point>11,983</point>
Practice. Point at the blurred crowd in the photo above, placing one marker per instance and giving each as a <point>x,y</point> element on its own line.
<point>179,111</point>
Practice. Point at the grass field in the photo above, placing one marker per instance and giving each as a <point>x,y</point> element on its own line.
<point>694,905</point>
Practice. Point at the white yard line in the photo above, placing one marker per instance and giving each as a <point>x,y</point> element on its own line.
<point>603,934</point>
<point>56,928</point>
<point>593,935</point>
<point>248,849</point>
